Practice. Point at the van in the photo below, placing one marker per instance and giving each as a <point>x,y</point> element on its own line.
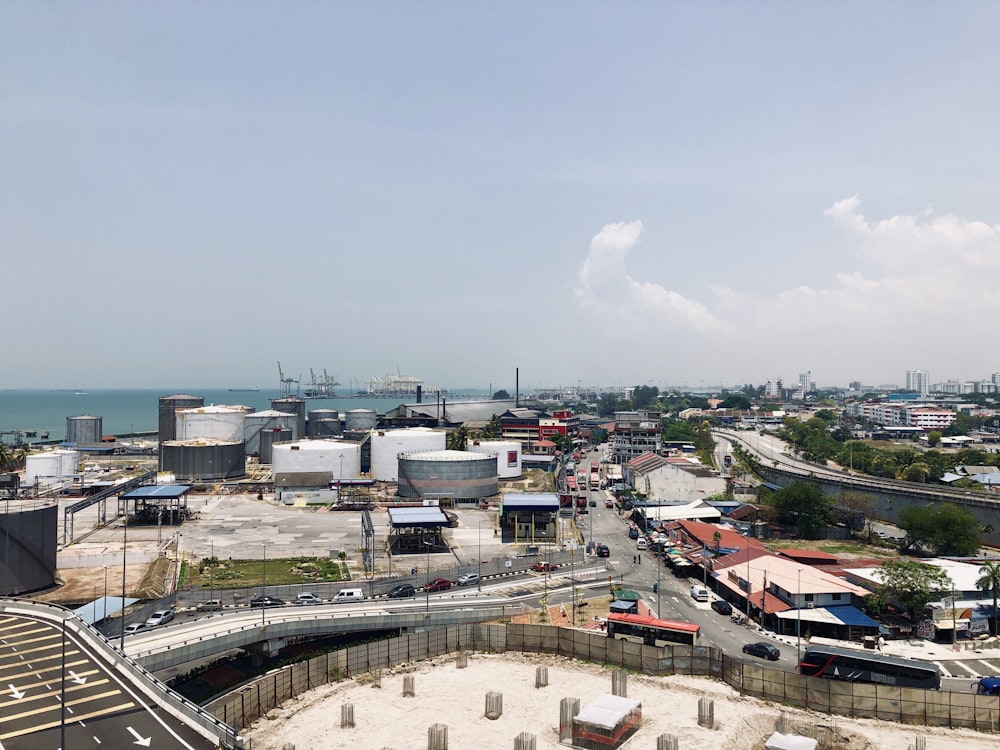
<point>641,544</point>
<point>348,596</point>
<point>699,593</point>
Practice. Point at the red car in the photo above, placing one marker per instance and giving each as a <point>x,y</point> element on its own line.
<point>542,567</point>
<point>438,584</point>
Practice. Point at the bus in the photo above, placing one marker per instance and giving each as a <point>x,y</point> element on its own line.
<point>595,480</point>
<point>851,665</point>
<point>570,485</point>
<point>651,631</point>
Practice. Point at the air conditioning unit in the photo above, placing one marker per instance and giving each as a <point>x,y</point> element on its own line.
<point>810,605</point>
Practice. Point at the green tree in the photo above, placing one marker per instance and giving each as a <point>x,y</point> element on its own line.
<point>643,396</point>
<point>609,403</point>
<point>736,401</point>
<point>6,456</point>
<point>916,472</point>
<point>989,580</point>
<point>827,415</point>
<point>804,505</point>
<point>912,584</point>
<point>457,439</point>
<point>492,429</point>
<point>933,438</point>
<point>501,395</point>
<point>943,529</point>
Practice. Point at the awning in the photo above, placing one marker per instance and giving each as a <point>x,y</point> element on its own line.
<point>840,615</point>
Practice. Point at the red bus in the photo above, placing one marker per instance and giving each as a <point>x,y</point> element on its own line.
<point>651,631</point>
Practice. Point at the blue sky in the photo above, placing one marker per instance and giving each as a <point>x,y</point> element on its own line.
<point>596,193</point>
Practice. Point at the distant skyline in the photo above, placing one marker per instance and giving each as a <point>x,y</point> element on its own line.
<point>596,193</point>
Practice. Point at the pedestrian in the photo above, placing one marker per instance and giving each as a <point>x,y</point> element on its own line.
<point>881,644</point>
<point>656,587</point>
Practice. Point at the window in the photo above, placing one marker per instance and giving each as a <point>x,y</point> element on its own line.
<point>836,597</point>
<point>809,597</point>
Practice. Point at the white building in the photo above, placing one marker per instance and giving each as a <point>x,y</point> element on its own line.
<point>919,381</point>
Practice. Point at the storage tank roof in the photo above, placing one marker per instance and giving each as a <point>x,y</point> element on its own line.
<point>214,410</point>
<point>204,441</point>
<point>270,414</point>
<point>447,455</point>
<point>319,445</point>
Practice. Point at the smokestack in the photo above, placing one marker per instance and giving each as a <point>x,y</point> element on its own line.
<point>420,394</point>
<point>517,387</point>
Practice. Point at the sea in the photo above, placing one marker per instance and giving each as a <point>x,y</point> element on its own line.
<point>127,412</point>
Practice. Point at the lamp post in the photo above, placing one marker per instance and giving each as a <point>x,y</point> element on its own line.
<point>427,578</point>
<point>659,564</point>
<point>263,585</point>
<point>124,556</point>
<point>340,480</point>
<point>479,556</point>
<point>798,617</point>
<point>104,616</point>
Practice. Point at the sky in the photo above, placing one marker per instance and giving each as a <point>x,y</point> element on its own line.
<point>595,193</point>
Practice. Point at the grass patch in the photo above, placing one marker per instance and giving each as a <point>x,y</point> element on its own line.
<point>842,547</point>
<point>251,573</point>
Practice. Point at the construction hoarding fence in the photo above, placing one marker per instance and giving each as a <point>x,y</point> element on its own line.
<point>242,707</point>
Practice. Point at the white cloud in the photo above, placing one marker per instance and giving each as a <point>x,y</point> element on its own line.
<point>925,277</point>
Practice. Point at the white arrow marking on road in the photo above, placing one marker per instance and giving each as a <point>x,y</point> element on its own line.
<point>76,678</point>
<point>18,694</point>
<point>139,739</point>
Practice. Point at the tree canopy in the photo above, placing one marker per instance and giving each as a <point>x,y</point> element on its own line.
<point>912,584</point>
<point>942,529</point>
<point>501,395</point>
<point>804,505</point>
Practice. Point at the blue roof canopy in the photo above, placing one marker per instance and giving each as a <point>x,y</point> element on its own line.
<point>158,491</point>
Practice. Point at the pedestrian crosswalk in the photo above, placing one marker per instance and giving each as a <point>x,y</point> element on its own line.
<point>974,668</point>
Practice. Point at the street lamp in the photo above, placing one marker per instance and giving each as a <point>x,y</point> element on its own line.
<point>479,554</point>
<point>124,556</point>
<point>798,617</point>
<point>263,585</point>
<point>427,577</point>
<point>104,616</point>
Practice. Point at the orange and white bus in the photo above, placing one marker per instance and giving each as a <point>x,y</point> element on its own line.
<point>651,631</point>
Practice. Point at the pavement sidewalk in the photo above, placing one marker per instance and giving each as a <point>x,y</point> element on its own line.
<point>918,648</point>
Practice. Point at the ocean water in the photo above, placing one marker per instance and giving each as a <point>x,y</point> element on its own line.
<point>130,411</point>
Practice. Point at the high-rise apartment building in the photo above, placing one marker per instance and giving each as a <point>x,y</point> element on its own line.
<point>919,381</point>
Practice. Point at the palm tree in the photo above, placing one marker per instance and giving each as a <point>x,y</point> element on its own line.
<point>457,439</point>
<point>6,456</point>
<point>989,580</point>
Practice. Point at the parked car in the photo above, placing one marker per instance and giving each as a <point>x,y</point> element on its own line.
<point>762,649</point>
<point>402,591</point>
<point>438,584</point>
<point>609,504</point>
<point>722,607</point>
<point>468,579</point>
<point>641,543</point>
<point>542,567</point>
<point>135,627</point>
<point>633,532</point>
<point>349,596</point>
<point>592,503</point>
<point>603,550</point>
<point>159,617</point>
<point>211,605</point>
<point>266,601</point>
<point>987,686</point>
<point>307,597</point>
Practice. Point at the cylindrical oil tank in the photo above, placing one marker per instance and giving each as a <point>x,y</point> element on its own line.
<point>206,459</point>
<point>292,405</point>
<point>168,419</point>
<point>323,423</point>
<point>84,429</point>
<point>386,445</point>
<point>314,463</point>
<point>48,467</point>
<point>508,455</point>
<point>255,423</point>
<point>360,420</point>
<point>29,531</point>
<point>219,422</point>
<point>269,437</point>
<point>454,475</point>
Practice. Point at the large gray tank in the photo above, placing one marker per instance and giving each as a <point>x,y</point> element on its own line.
<point>360,420</point>
<point>29,532</point>
<point>267,440</point>
<point>447,475</point>
<point>168,418</point>
<point>84,429</point>
<point>259,421</point>
<point>323,423</point>
<point>293,405</point>
<point>204,459</point>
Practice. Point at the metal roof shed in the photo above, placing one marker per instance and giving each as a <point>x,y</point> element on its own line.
<point>417,530</point>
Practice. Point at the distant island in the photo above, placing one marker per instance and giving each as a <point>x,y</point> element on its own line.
<point>244,390</point>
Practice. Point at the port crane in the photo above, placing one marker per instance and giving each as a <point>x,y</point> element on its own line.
<point>286,384</point>
<point>323,386</point>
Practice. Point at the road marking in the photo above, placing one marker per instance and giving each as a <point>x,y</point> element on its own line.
<point>989,667</point>
<point>139,739</point>
<point>18,694</point>
<point>52,724</point>
<point>944,670</point>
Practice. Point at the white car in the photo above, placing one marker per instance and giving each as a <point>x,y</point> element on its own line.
<point>135,627</point>
<point>159,617</point>
<point>308,598</point>
<point>467,579</point>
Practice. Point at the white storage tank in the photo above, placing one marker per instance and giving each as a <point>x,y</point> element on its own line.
<point>219,422</point>
<point>448,475</point>
<point>48,467</point>
<point>270,419</point>
<point>508,455</point>
<point>360,420</point>
<point>314,463</point>
<point>388,444</point>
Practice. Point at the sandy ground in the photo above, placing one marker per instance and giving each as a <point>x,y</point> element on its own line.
<point>456,697</point>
